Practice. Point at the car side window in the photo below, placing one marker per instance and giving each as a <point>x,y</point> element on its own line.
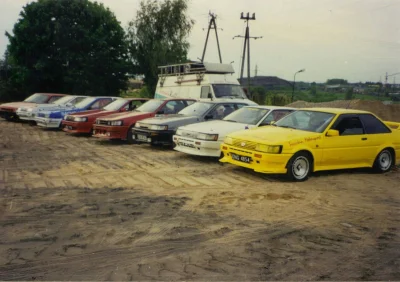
<point>204,92</point>
<point>349,126</point>
<point>275,116</point>
<point>53,99</point>
<point>173,107</point>
<point>77,100</point>
<point>239,106</point>
<point>100,104</point>
<point>373,125</point>
<point>222,111</point>
<point>133,105</point>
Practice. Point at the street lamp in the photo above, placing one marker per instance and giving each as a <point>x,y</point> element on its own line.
<point>294,82</point>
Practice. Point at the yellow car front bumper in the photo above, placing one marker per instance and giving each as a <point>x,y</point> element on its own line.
<point>257,161</point>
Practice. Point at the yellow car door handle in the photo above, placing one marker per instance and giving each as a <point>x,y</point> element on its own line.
<point>363,139</point>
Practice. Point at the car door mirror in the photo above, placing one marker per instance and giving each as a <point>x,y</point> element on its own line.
<point>160,112</point>
<point>209,96</point>
<point>207,117</point>
<point>332,133</point>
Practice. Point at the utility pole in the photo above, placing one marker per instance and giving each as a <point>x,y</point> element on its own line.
<point>212,25</point>
<point>247,37</point>
<point>256,71</point>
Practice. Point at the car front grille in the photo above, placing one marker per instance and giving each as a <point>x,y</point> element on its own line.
<point>102,122</point>
<point>244,144</point>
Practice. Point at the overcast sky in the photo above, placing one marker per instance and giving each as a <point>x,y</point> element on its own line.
<point>358,40</point>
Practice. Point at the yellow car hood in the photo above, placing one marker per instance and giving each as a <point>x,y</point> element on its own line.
<point>273,135</point>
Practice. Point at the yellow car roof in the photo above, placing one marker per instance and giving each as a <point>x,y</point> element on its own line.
<point>335,110</point>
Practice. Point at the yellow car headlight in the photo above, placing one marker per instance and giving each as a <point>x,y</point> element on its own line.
<point>228,140</point>
<point>269,149</point>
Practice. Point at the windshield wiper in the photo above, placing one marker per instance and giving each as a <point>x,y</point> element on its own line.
<point>230,120</point>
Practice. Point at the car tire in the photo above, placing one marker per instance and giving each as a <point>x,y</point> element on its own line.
<point>384,161</point>
<point>129,138</point>
<point>299,167</point>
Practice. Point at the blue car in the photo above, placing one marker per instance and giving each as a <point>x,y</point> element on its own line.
<point>53,119</point>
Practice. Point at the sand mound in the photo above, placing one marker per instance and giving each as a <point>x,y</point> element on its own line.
<point>385,112</point>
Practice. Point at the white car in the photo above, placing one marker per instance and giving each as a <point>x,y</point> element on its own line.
<point>205,138</point>
<point>30,112</point>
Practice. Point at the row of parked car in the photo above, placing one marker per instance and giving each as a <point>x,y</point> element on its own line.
<point>266,139</point>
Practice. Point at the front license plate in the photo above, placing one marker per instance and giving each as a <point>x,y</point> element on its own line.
<point>239,158</point>
<point>142,137</point>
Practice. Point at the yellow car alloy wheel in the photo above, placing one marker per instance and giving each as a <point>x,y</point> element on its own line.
<point>299,166</point>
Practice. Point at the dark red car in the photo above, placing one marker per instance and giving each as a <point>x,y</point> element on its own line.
<point>119,126</point>
<point>8,110</point>
<point>83,122</point>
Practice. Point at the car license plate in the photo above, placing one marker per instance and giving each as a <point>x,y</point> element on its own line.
<point>142,137</point>
<point>184,144</point>
<point>239,158</point>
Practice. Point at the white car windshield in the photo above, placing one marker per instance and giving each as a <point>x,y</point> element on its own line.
<point>196,109</point>
<point>116,105</point>
<point>63,100</point>
<point>85,102</point>
<point>247,115</point>
<point>37,98</point>
<point>306,120</point>
<point>150,106</point>
<point>228,90</point>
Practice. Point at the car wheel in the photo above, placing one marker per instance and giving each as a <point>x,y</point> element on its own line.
<point>384,161</point>
<point>299,166</point>
<point>129,138</point>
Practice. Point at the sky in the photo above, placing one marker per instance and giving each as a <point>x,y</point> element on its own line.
<point>357,40</point>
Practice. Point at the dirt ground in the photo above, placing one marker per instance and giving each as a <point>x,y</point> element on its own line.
<point>76,208</point>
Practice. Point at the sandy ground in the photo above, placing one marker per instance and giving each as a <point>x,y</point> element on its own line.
<point>75,208</point>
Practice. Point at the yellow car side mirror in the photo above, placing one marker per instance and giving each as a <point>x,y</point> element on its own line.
<point>332,132</point>
<point>272,122</point>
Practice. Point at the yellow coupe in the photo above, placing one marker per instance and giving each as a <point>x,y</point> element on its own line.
<point>316,139</point>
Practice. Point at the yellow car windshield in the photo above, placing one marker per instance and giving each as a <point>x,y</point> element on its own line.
<point>313,121</point>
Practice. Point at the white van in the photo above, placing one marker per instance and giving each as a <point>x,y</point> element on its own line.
<point>200,81</point>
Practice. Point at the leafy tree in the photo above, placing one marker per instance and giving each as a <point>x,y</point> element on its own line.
<point>259,94</point>
<point>336,81</point>
<point>349,93</point>
<point>313,89</point>
<point>69,46</point>
<point>158,36</point>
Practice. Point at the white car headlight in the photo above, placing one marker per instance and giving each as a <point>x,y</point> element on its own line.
<point>158,127</point>
<point>179,132</point>
<point>81,119</point>
<point>30,110</point>
<point>115,123</point>
<point>207,137</point>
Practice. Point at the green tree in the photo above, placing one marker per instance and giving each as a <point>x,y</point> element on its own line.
<point>69,46</point>
<point>259,94</point>
<point>158,36</point>
<point>349,93</point>
<point>313,89</point>
<point>334,81</point>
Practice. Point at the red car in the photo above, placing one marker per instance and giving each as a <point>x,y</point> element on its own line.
<point>119,126</point>
<point>82,122</point>
<point>8,110</point>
